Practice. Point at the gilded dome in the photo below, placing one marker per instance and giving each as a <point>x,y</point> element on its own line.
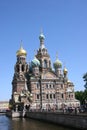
<point>35,62</point>
<point>68,81</point>
<point>21,52</point>
<point>65,71</point>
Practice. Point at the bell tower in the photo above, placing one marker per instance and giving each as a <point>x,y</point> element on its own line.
<point>19,82</point>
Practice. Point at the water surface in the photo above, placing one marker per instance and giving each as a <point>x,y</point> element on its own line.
<point>27,124</point>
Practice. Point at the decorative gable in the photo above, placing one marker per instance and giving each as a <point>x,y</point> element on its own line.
<point>49,75</point>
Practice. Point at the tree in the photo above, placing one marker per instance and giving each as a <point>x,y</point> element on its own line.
<point>85,79</point>
<point>85,96</point>
<point>80,96</point>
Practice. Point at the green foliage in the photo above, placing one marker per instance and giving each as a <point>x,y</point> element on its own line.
<point>81,96</point>
<point>85,79</point>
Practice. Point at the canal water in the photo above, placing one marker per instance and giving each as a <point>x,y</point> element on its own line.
<point>27,124</point>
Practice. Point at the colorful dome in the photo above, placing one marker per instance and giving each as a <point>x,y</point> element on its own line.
<point>41,36</point>
<point>35,62</point>
<point>68,81</point>
<point>57,64</point>
<point>21,52</point>
<point>65,71</point>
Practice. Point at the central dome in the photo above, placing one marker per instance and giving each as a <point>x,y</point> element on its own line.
<point>21,52</point>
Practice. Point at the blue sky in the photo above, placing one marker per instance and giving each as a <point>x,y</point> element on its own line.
<point>64,24</point>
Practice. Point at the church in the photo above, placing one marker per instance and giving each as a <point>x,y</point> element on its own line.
<point>38,85</point>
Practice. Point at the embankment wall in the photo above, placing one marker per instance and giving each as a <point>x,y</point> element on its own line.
<point>70,120</point>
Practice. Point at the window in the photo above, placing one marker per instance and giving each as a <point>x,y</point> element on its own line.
<point>37,96</point>
<point>61,86</point>
<point>72,95</point>
<point>46,85</point>
<point>50,85</point>
<point>46,96</point>
<point>51,96</point>
<point>54,96</point>
<point>62,95</point>
<point>17,68</point>
<point>45,64</point>
<point>37,85</point>
<point>69,95</point>
<point>53,86</point>
<point>22,67</point>
<point>49,64</point>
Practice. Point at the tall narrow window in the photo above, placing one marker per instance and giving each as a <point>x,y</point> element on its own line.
<point>46,85</point>
<point>45,64</point>
<point>54,96</point>
<point>49,64</point>
<point>22,67</point>
<point>17,68</point>
<point>51,96</point>
<point>62,95</point>
<point>46,96</point>
<point>37,96</point>
<point>37,85</point>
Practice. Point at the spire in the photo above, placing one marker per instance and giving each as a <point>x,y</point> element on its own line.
<point>21,44</point>
<point>41,37</point>
<point>41,31</point>
<point>56,55</point>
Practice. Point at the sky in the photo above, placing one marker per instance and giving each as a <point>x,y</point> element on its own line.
<point>64,24</point>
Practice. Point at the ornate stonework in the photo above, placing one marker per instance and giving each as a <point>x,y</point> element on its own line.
<point>38,85</point>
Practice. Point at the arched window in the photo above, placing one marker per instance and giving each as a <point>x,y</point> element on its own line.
<point>22,67</point>
<point>54,96</point>
<point>47,96</point>
<point>38,96</point>
<point>50,96</point>
<point>40,63</point>
<point>17,68</point>
<point>62,95</point>
<point>49,64</point>
<point>45,64</point>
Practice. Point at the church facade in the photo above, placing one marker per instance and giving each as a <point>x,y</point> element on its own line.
<point>36,84</point>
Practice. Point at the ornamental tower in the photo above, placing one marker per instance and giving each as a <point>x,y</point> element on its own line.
<point>43,56</point>
<point>19,82</point>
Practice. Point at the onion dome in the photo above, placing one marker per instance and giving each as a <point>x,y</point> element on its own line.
<point>41,36</point>
<point>21,52</point>
<point>57,64</point>
<point>65,71</point>
<point>68,81</point>
<point>35,62</point>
